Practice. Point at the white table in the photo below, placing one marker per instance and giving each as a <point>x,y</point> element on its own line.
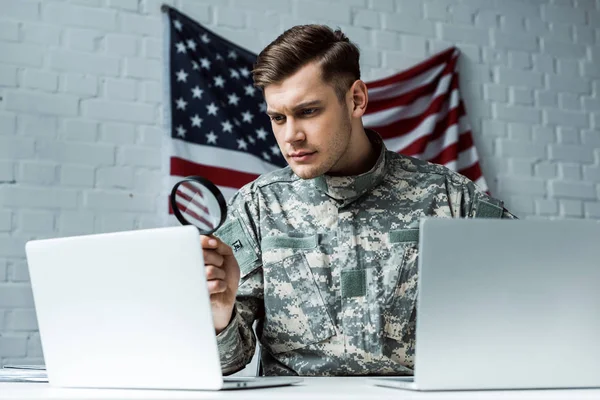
<point>311,388</point>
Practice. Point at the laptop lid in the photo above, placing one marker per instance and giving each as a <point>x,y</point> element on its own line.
<point>506,304</point>
<point>125,310</point>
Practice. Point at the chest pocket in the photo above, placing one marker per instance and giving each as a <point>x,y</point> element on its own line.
<point>399,315</point>
<point>295,313</point>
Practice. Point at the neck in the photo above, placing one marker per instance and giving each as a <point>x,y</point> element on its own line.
<point>360,156</point>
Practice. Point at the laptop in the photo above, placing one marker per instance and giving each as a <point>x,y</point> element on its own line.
<point>506,304</point>
<point>128,310</point>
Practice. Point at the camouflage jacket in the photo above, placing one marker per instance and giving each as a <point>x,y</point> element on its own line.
<point>329,265</point>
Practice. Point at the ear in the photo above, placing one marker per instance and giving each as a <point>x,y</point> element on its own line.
<point>360,98</point>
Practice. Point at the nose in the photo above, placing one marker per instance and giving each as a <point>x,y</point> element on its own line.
<point>293,131</point>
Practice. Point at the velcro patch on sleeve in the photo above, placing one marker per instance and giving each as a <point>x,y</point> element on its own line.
<point>234,235</point>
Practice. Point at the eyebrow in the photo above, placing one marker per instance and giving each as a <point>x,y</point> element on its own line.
<point>299,106</point>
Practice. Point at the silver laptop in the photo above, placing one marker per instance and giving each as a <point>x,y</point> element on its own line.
<point>506,304</point>
<point>128,310</point>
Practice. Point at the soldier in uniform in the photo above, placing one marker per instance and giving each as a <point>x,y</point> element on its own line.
<point>323,253</point>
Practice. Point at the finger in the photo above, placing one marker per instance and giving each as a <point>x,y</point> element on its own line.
<point>211,257</point>
<point>212,242</point>
<point>213,272</point>
<point>216,286</point>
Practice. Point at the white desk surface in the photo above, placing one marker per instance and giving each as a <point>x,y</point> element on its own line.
<point>311,388</point>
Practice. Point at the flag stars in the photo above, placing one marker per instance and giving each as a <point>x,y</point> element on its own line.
<point>232,54</point>
<point>181,104</point>
<point>249,89</point>
<point>211,138</point>
<point>191,44</point>
<point>205,63</point>
<point>262,107</point>
<point>242,144</point>
<point>195,65</point>
<point>251,139</point>
<point>233,99</point>
<point>227,127</point>
<point>180,131</point>
<point>234,73</point>
<point>261,133</point>
<point>205,38</point>
<point>266,155</point>
<point>247,116</point>
<point>219,81</point>
<point>275,149</point>
<point>180,47</point>
<point>196,121</point>
<point>212,109</point>
<point>236,122</point>
<point>197,92</point>
<point>245,72</point>
<point>177,24</point>
<point>182,76</point>
<point>219,57</point>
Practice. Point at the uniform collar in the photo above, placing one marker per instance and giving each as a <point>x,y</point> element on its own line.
<point>348,188</point>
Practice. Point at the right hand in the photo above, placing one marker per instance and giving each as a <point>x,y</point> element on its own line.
<point>223,276</point>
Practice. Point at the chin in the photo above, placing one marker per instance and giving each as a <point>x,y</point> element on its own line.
<point>306,172</point>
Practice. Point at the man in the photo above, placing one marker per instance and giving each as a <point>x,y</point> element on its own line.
<point>323,253</point>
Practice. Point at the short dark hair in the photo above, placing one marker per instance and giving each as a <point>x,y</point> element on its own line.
<point>303,44</point>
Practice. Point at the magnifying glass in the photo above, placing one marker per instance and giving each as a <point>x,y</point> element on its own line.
<point>197,201</point>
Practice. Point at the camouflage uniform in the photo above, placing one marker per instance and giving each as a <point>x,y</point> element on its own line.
<point>329,265</point>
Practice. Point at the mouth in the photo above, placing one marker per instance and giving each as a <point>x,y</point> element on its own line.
<point>301,156</point>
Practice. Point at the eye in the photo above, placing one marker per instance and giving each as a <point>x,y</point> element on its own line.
<point>277,118</point>
<point>309,111</point>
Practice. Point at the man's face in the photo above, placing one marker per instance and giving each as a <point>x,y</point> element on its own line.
<point>311,126</point>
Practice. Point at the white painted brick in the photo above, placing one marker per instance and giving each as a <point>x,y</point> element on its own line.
<point>586,4</point>
<point>569,101</point>
<point>76,175</point>
<point>15,295</point>
<point>118,200</point>
<point>13,346</point>
<point>536,26</point>
<point>511,41</point>
<point>521,167</point>
<point>566,50</point>
<point>584,35</point>
<point>516,149</point>
<point>34,349</point>
<point>561,83</point>
<point>410,9</point>
<point>357,34</point>
<point>572,153</point>
<point>546,206</point>
<point>335,12</point>
<point>544,63</point>
<point>387,40</point>
<point>569,172</point>
<point>79,130</point>
<point>462,14</point>
<point>518,131</point>
<point>567,15</point>
<point>400,23</point>
<point>8,123</point>
<point>14,148</point>
<point>516,113</point>
<point>114,177</point>
<point>372,58</point>
<point>21,54</point>
<point>462,34</point>
<point>493,92</point>
<point>20,10</point>
<point>5,226</point>
<point>83,62</point>
<point>38,197</point>
<point>80,84</point>
<point>414,45</point>
<point>436,10</point>
<point>521,96</point>
<point>88,17</point>
<point>382,5</point>
<point>280,6</point>
<point>591,104</point>
<point>36,79</point>
<point>543,135</point>
<point>568,68</point>
<point>120,89</point>
<point>591,138</point>
<point>33,102</point>
<point>91,3</point>
<point>559,33</point>
<point>567,135</point>
<point>114,222</point>
<point>512,23</point>
<point>592,210</point>
<point>140,24</point>
<point>573,190</point>
<point>591,173</point>
<point>545,98</point>
<point>143,68</point>
<point>367,18</point>
<point>9,31</point>
<point>147,181</point>
<point>474,72</point>
<point>519,60</point>
<point>7,171</point>
<point>129,5</point>
<point>520,205</point>
<point>11,246</point>
<point>472,52</point>
<point>121,45</point>
<point>76,152</point>
<point>571,208</point>
<point>517,8</point>
<point>37,125</point>
<point>139,156</point>
<point>567,118</point>
<point>202,12</point>
<point>85,39</point>
<point>75,222</point>
<point>545,170</point>
<point>513,77</point>
<point>485,18</point>
<point>35,221</point>
<point>18,271</point>
<point>118,111</point>
<point>3,278</point>
<point>151,92</point>
<point>521,186</point>
<point>591,70</point>
<point>117,133</point>
<point>152,48</point>
<point>151,136</point>
<point>8,76</point>
<point>33,171</point>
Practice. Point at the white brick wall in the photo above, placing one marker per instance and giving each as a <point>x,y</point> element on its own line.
<point>81,97</point>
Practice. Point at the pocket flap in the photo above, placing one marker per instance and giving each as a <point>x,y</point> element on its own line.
<point>292,242</point>
<point>404,235</point>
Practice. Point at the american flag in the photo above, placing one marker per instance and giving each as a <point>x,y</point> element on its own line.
<point>219,129</point>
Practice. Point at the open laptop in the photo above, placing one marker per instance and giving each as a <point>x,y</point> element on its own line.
<point>506,304</point>
<point>128,310</point>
